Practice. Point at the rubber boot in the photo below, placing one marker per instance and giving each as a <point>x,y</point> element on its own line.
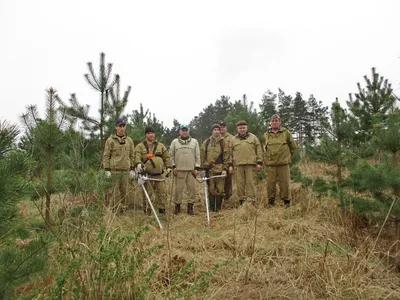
<point>218,201</point>
<point>190,209</point>
<point>287,203</point>
<point>177,208</point>
<point>211,202</point>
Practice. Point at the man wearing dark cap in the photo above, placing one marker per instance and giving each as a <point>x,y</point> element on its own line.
<point>247,158</point>
<point>228,141</point>
<point>152,158</point>
<point>185,155</point>
<point>118,164</point>
<point>215,160</point>
<point>279,148</point>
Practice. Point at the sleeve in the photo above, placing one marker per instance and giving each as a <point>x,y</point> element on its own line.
<point>166,157</point>
<point>197,162</point>
<point>138,155</point>
<point>202,156</point>
<point>291,143</point>
<point>259,151</point>
<point>107,155</point>
<point>132,154</point>
<point>227,156</point>
<point>172,153</point>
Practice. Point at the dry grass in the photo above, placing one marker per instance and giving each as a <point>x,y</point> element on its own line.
<point>310,251</point>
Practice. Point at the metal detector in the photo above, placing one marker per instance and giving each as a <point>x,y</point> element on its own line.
<point>141,180</point>
<point>204,181</point>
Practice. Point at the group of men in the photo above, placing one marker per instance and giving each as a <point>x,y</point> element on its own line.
<point>218,159</point>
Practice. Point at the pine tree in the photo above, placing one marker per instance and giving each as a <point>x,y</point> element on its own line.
<point>285,108</point>
<point>102,83</point>
<point>268,107</point>
<point>371,103</point>
<point>334,143</point>
<point>47,136</point>
<point>316,119</point>
<point>299,118</point>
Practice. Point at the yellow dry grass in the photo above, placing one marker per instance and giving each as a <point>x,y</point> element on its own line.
<point>310,251</point>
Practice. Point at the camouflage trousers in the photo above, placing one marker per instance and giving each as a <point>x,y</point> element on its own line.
<point>157,190</point>
<point>283,173</point>
<point>245,182</point>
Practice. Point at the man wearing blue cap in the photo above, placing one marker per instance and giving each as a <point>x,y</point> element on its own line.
<point>185,155</point>
<point>118,164</point>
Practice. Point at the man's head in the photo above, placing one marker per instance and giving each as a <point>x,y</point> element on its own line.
<point>120,127</point>
<point>149,133</point>
<point>216,131</point>
<point>275,122</point>
<point>184,130</point>
<point>241,127</point>
<point>222,125</point>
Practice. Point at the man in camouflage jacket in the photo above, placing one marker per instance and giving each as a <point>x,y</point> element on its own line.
<point>247,158</point>
<point>279,148</point>
<point>118,165</point>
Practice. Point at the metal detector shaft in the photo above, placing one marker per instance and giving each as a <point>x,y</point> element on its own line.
<point>206,199</point>
<point>141,180</point>
<point>204,179</point>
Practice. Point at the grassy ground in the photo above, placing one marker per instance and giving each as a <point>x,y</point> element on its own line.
<point>311,251</point>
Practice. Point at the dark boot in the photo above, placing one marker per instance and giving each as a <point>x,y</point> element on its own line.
<point>287,203</point>
<point>218,201</point>
<point>211,202</point>
<point>161,211</point>
<point>177,209</point>
<point>271,203</point>
<point>241,202</point>
<point>190,209</point>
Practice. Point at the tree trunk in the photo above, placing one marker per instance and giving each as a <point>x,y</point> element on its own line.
<point>395,166</point>
<point>48,190</point>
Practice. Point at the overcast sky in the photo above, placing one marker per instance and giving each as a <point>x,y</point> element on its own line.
<point>180,56</point>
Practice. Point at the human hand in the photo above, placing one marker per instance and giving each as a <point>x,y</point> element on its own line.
<point>140,168</point>
<point>132,174</point>
<point>195,173</point>
<point>168,171</point>
<point>175,172</point>
<point>223,173</point>
<point>259,168</point>
<point>230,170</point>
<point>203,173</point>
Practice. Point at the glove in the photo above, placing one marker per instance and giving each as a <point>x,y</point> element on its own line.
<point>132,174</point>
<point>169,170</point>
<point>203,173</point>
<point>140,168</point>
<point>223,173</point>
<point>107,174</point>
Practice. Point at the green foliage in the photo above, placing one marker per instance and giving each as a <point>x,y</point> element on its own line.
<point>106,266</point>
<point>243,110</point>
<point>18,264</point>
<point>372,103</point>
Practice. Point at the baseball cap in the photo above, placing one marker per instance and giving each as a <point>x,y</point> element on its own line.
<point>222,123</point>
<point>119,122</point>
<point>184,126</point>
